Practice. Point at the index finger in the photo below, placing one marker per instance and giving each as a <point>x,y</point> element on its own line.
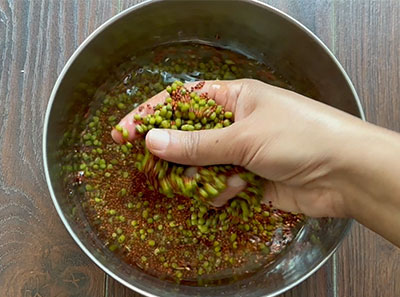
<point>224,93</point>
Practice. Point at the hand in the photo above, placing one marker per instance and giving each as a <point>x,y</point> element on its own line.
<point>286,138</point>
<point>316,159</point>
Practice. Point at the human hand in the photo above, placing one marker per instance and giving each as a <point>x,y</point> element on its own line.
<point>315,159</point>
<point>291,141</point>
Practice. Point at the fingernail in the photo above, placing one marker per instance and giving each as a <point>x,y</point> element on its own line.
<point>116,136</point>
<point>191,171</point>
<point>158,139</point>
<point>236,182</point>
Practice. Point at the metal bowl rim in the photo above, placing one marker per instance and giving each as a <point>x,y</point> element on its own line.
<point>78,51</point>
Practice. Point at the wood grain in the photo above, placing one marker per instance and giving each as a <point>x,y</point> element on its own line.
<point>367,42</point>
<point>37,256</point>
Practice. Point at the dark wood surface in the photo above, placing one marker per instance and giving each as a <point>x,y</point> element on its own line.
<point>37,256</point>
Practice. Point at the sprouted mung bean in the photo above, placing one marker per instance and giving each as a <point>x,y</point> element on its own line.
<point>147,210</point>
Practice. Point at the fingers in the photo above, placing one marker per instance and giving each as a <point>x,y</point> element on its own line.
<point>223,92</point>
<point>193,147</point>
<point>128,121</point>
<point>234,186</point>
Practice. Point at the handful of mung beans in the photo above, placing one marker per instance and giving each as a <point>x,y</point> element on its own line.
<point>189,111</point>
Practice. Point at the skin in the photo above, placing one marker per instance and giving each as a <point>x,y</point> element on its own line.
<point>315,159</point>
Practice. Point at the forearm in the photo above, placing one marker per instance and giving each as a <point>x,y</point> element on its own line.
<point>372,191</point>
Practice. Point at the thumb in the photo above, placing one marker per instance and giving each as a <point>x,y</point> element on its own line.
<point>198,148</point>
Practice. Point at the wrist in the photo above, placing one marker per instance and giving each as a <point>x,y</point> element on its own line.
<point>369,182</point>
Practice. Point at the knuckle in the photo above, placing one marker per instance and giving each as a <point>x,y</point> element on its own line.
<point>244,147</point>
<point>239,147</point>
<point>191,146</point>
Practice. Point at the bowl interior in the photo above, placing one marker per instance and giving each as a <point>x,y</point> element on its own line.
<point>245,26</point>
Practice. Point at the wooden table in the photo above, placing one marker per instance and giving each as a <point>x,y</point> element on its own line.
<point>37,256</point>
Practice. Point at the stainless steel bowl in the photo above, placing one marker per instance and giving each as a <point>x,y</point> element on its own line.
<point>247,26</point>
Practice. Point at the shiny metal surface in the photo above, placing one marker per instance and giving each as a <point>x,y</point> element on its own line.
<point>248,26</point>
